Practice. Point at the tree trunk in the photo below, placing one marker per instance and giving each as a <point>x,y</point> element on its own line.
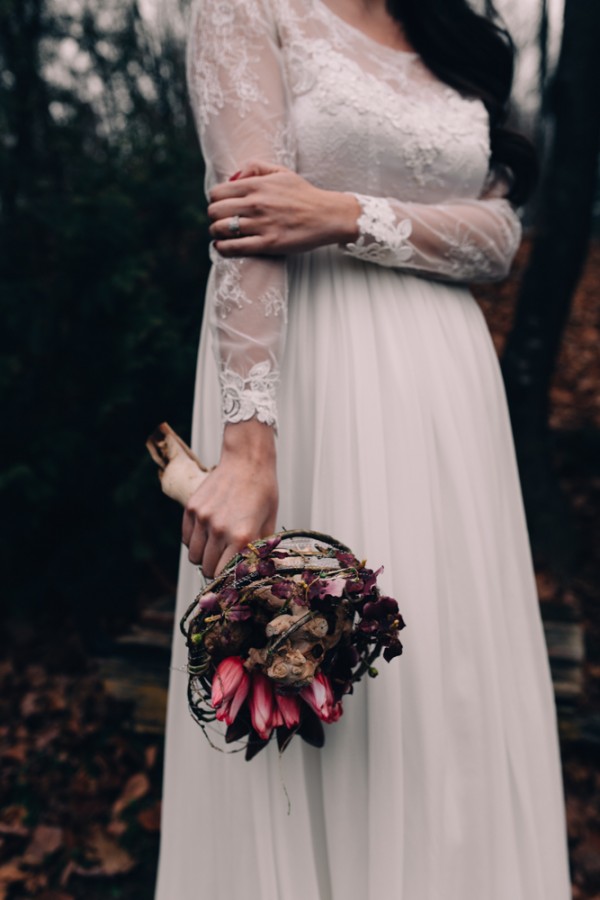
<point>562,233</point>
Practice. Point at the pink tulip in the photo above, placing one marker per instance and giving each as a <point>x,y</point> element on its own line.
<point>277,718</point>
<point>288,707</point>
<point>226,679</point>
<point>262,705</point>
<point>319,697</point>
<point>229,688</point>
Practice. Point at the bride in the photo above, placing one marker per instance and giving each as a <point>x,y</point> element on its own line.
<point>359,178</point>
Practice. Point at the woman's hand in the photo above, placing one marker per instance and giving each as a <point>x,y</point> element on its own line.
<point>279,213</point>
<point>237,502</point>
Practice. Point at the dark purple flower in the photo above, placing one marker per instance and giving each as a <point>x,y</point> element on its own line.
<point>284,589</point>
<point>265,568</point>
<point>347,560</point>
<point>369,578</point>
<point>393,649</point>
<point>354,585</point>
<point>320,588</point>
<point>242,569</point>
<point>232,607</point>
<point>265,548</point>
<point>380,609</point>
<point>209,602</point>
<point>256,557</point>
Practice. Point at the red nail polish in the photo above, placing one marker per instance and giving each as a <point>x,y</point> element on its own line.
<point>235,176</point>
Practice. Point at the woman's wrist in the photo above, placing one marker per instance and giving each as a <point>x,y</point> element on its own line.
<point>342,211</point>
<point>250,439</point>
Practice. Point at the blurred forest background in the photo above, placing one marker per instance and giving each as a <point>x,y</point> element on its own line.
<point>102,266</point>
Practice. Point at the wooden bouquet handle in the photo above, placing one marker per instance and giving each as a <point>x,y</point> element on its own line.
<point>180,471</point>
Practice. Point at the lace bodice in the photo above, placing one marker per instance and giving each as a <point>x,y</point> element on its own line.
<point>288,81</point>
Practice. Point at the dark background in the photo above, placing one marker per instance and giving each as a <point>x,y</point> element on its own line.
<point>102,267</point>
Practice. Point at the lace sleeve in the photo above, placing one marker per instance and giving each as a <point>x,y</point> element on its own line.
<point>462,240</point>
<point>239,101</point>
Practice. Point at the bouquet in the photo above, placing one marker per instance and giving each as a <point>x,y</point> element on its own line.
<point>282,635</point>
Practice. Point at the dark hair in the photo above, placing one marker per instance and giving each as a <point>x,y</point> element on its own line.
<point>475,55</point>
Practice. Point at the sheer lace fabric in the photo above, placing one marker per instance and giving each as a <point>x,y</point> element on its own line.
<point>288,81</point>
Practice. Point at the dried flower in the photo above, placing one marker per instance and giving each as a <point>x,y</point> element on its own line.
<point>292,668</point>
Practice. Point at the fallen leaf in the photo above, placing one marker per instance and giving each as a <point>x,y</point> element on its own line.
<point>11,872</point>
<point>150,756</point>
<point>149,818</point>
<point>44,738</point>
<point>110,858</point>
<point>135,788</point>
<point>46,840</point>
<point>16,753</point>
<point>12,821</point>
<point>36,881</point>
<point>67,872</point>
<point>116,828</point>
<point>31,704</point>
<point>55,700</point>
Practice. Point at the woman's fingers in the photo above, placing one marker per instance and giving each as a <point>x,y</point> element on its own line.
<point>197,543</point>
<point>258,167</point>
<point>213,552</point>
<point>230,551</point>
<point>250,246</point>
<point>241,183</point>
<point>187,526</point>
<point>232,190</point>
<point>224,209</point>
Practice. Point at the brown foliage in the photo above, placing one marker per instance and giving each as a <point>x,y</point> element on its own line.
<point>80,792</point>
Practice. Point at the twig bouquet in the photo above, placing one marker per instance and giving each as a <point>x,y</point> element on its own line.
<point>284,632</point>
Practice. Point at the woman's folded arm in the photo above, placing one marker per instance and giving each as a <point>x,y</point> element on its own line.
<point>461,240</point>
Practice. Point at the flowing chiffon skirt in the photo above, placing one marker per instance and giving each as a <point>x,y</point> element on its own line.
<point>442,779</point>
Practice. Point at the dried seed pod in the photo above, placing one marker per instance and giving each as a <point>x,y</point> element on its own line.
<point>180,471</point>
<point>290,668</point>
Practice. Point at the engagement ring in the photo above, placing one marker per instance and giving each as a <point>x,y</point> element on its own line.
<point>234,226</point>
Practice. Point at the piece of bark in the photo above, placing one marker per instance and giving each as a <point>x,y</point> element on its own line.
<point>180,471</point>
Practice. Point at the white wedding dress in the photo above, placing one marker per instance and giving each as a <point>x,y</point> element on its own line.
<point>442,779</point>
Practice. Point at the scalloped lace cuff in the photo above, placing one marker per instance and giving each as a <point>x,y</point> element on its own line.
<point>383,238</point>
<point>250,396</point>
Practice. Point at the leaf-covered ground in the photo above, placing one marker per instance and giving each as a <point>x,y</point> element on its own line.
<point>80,791</point>
<point>80,802</point>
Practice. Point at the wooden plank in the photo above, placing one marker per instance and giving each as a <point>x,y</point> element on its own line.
<point>141,685</point>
